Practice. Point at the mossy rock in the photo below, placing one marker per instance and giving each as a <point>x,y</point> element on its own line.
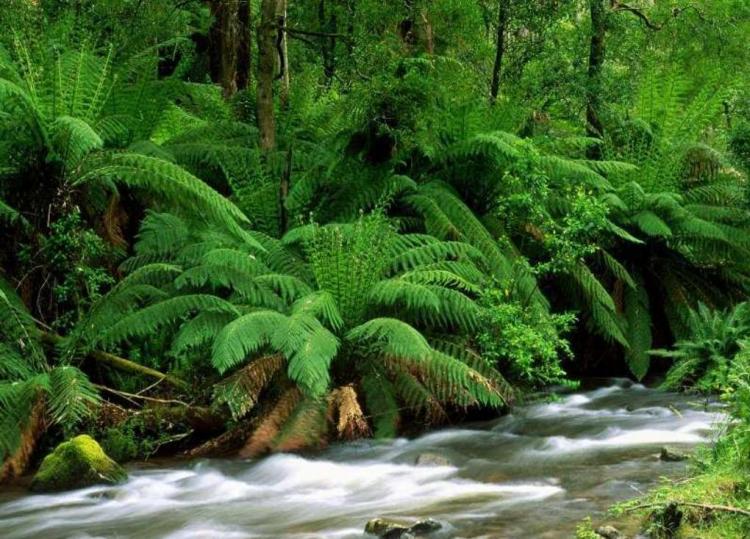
<point>77,463</point>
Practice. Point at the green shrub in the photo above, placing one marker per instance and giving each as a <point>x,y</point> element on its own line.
<point>527,345</point>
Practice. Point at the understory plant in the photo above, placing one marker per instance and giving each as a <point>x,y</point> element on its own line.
<point>704,360</point>
<point>334,320</point>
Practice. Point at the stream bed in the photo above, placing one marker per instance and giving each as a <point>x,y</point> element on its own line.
<point>534,473</point>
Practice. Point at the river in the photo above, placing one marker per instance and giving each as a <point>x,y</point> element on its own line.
<point>534,473</point>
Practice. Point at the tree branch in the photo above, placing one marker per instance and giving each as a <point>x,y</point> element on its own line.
<point>121,363</point>
<point>130,396</point>
<point>297,31</point>
<point>710,507</point>
<point>616,5</point>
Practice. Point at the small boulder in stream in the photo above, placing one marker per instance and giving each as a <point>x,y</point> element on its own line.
<point>669,454</point>
<point>431,459</point>
<point>388,529</point>
<point>609,532</point>
<point>77,463</point>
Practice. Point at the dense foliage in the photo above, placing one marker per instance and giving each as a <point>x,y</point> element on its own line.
<point>338,220</point>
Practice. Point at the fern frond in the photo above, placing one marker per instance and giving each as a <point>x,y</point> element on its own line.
<point>322,305</point>
<point>244,336</point>
<point>638,329</point>
<point>306,427</point>
<point>200,331</point>
<point>74,139</point>
<point>167,312</point>
<point>241,390</point>
<point>262,438</point>
<point>345,411</point>
<point>72,397</point>
<point>382,407</point>
<point>393,337</point>
<point>170,183</point>
<point>309,347</point>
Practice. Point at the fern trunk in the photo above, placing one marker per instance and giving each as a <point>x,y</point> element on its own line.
<point>17,463</point>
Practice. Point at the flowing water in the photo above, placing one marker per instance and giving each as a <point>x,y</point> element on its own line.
<point>534,473</point>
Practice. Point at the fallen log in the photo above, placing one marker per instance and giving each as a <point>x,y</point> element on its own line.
<point>121,363</point>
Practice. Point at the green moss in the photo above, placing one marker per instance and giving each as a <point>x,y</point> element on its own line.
<point>77,463</point>
<point>720,484</point>
<point>120,444</point>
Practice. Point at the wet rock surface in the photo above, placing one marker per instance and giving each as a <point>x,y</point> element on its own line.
<point>77,463</point>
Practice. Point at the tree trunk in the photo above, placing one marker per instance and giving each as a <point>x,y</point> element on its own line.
<point>497,69</point>
<point>283,52</point>
<point>416,30</point>
<point>223,37</point>
<point>597,55</point>
<point>244,45</point>
<point>229,40</point>
<point>267,35</point>
<point>328,25</point>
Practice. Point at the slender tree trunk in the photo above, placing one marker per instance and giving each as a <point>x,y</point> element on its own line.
<point>267,37</point>
<point>351,11</point>
<point>416,29</point>
<point>283,53</point>
<point>244,45</point>
<point>426,32</point>
<point>597,56</point>
<point>497,69</point>
<point>223,37</point>
<point>328,24</point>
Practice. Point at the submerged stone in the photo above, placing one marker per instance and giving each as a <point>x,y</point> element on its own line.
<point>77,463</point>
<point>388,529</point>
<point>669,454</point>
<point>431,459</point>
<point>423,527</point>
<point>609,532</point>
<point>382,527</point>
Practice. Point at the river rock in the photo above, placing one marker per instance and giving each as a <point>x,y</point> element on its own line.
<point>609,532</point>
<point>77,463</point>
<point>424,527</point>
<point>382,527</point>
<point>388,529</point>
<point>431,459</point>
<point>669,454</point>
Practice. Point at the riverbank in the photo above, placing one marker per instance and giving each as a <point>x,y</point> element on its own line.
<point>534,473</point>
<point>712,501</point>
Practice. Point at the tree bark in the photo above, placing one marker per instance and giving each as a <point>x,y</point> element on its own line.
<point>497,69</point>
<point>416,29</point>
<point>283,53</point>
<point>244,45</point>
<point>328,25</point>
<point>229,40</point>
<point>597,56</point>
<point>266,35</point>
<point>223,37</point>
